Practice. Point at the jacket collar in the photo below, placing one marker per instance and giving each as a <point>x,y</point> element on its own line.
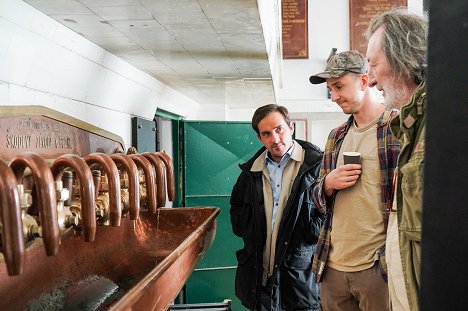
<point>259,162</point>
<point>410,112</point>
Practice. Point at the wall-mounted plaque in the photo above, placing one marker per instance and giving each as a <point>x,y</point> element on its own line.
<point>50,134</point>
<point>295,36</point>
<point>360,14</point>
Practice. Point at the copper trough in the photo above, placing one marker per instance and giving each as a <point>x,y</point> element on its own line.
<point>141,265</point>
<point>89,243</point>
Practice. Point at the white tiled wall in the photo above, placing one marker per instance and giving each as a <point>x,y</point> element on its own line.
<point>44,63</point>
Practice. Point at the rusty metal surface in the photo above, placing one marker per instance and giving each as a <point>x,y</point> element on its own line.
<point>141,265</point>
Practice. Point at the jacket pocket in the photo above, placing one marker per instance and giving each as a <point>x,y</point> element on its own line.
<point>300,259</point>
<point>298,287</point>
<point>412,192</point>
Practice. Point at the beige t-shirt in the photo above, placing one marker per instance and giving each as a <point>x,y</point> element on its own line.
<point>357,226</point>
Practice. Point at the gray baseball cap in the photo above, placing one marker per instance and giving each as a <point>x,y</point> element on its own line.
<point>340,64</point>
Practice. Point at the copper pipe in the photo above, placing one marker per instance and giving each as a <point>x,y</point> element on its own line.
<point>96,182</point>
<point>109,167</point>
<point>130,167</point>
<point>160,181</point>
<point>12,226</point>
<point>150,180</point>
<point>83,173</point>
<point>169,174</point>
<point>44,182</point>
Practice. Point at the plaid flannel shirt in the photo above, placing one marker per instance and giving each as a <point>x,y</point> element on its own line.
<point>388,150</point>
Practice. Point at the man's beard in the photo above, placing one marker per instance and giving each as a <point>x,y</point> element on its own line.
<point>397,96</point>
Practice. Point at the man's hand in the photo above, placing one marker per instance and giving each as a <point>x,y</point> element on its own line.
<point>340,178</point>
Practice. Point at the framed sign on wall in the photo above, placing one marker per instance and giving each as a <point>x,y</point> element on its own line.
<point>295,37</point>
<point>360,14</point>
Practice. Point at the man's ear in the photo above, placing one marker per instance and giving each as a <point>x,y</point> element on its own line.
<point>291,127</point>
<point>364,81</point>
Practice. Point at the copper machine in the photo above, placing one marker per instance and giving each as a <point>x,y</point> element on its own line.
<point>83,224</point>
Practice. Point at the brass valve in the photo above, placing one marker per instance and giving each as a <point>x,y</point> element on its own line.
<point>143,195</point>
<point>103,202</point>
<point>31,228</point>
<point>74,218</point>
<point>124,193</point>
<point>66,218</point>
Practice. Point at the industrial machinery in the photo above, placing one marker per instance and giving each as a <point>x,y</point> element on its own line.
<point>84,224</point>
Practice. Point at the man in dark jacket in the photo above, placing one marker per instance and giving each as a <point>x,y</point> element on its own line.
<point>272,211</point>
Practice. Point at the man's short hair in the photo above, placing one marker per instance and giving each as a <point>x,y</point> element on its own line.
<point>263,111</point>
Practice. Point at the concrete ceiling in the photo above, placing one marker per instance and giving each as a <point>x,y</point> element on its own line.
<point>212,51</point>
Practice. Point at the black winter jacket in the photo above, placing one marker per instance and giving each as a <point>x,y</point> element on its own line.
<point>293,284</point>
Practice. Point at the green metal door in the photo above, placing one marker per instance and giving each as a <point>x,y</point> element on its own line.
<point>212,152</point>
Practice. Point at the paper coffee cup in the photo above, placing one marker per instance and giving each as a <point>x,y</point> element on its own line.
<point>351,157</point>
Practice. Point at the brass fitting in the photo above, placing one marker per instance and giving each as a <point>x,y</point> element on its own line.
<point>31,229</point>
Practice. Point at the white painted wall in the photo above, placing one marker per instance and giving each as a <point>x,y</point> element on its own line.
<point>44,63</point>
<point>328,28</point>
<point>270,16</point>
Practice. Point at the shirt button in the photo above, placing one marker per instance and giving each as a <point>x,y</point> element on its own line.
<point>277,185</point>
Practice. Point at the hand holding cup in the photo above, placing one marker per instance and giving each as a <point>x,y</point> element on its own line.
<point>343,176</point>
<point>351,157</point>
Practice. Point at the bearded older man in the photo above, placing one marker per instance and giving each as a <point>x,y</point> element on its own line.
<point>397,57</point>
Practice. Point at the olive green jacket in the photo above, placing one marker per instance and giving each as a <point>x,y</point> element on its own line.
<point>410,128</point>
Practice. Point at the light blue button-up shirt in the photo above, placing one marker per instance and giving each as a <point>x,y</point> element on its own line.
<point>275,171</point>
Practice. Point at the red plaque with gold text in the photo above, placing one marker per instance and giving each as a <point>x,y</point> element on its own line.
<point>295,37</point>
<point>360,14</point>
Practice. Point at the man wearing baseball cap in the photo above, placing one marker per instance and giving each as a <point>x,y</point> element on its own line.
<point>340,64</point>
<point>349,259</point>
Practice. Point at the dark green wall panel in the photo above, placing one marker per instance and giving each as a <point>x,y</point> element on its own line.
<point>218,283</point>
<point>143,134</point>
<point>212,153</point>
<point>222,251</point>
